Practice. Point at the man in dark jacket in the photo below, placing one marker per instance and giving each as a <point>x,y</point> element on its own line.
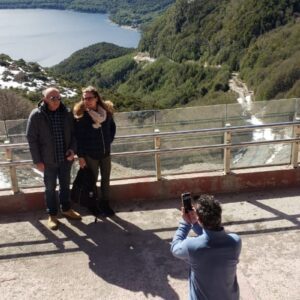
<point>52,144</point>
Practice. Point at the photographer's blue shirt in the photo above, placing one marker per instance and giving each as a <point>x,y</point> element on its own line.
<point>213,257</point>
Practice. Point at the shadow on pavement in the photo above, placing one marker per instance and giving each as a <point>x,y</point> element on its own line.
<point>124,255</point>
<point>276,204</point>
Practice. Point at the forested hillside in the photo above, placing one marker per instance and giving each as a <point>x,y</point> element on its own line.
<point>271,65</point>
<point>123,12</point>
<point>144,85</point>
<point>83,65</point>
<point>259,38</point>
<point>220,30</point>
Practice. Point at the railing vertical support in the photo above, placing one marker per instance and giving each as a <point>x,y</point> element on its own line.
<point>12,171</point>
<point>157,156</point>
<point>227,150</point>
<point>295,145</point>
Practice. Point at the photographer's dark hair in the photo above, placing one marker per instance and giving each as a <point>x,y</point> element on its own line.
<point>209,211</point>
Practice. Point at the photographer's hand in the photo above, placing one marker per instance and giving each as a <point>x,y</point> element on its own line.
<point>189,217</point>
<point>193,216</point>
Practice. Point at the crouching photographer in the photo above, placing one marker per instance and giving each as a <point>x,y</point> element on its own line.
<point>212,255</point>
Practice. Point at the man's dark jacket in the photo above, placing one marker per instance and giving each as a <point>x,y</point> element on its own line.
<point>40,136</point>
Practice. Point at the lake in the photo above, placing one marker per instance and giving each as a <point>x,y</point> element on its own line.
<point>49,36</point>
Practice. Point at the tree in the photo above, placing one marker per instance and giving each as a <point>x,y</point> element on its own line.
<point>13,106</point>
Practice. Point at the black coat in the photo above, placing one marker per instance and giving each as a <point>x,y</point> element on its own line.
<point>41,138</point>
<point>94,142</point>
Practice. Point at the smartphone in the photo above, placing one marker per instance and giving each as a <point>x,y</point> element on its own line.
<point>186,201</point>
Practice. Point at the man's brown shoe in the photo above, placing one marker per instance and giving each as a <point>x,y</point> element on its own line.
<point>53,222</point>
<point>71,214</point>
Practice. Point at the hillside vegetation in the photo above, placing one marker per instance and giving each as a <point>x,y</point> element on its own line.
<point>83,65</point>
<point>14,106</point>
<point>220,30</point>
<point>123,12</point>
<point>258,38</point>
<point>161,84</point>
<point>271,66</point>
<point>165,84</point>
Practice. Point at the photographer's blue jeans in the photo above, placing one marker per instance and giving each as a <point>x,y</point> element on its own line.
<point>61,172</point>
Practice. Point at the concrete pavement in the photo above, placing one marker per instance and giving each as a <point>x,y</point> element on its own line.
<point>128,257</point>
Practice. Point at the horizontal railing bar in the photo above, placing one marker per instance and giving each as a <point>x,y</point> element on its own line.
<point>205,147</point>
<point>41,185</point>
<point>14,146</point>
<point>258,166</point>
<point>181,149</point>
<point>16,163</point>
<point>266,142</point>
<point>208,130</point>
<point>13,135</point>
<point>163,124</point>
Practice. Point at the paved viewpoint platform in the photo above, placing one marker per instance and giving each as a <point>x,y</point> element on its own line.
<point>128,257</point>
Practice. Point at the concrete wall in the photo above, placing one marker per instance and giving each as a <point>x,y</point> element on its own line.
<point>170,187</point>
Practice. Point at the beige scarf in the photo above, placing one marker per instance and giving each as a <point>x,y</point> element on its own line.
<point>98,116</point>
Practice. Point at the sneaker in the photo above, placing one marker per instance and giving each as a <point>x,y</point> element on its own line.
<point>53,222</point>
<point>71,214</point>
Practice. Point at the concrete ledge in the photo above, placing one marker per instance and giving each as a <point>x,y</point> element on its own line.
<point>26,200</point>
<point>215,182</point>
<point>169,187</point>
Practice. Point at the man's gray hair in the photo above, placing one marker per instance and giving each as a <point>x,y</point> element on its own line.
<point>48,89</point>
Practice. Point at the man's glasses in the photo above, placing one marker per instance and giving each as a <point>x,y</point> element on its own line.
<point>55,98</point>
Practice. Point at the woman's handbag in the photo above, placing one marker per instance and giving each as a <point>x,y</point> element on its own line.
<point>84,190</point>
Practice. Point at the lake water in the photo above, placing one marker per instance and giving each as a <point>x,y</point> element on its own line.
<point>49,36</point>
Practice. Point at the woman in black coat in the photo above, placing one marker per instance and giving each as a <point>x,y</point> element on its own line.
<point>95,131</point>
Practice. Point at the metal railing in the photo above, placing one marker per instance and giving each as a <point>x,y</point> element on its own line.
<point>157,137</point>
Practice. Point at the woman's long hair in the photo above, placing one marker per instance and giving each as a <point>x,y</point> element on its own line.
<point>79,107</point>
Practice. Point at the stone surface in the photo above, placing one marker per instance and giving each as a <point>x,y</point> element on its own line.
<point>128,257</point>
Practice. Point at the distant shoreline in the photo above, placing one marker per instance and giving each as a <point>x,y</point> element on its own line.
<point>104,12</point>
<point>124,26</point>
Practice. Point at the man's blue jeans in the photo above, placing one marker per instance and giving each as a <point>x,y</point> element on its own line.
<point>61,172</point>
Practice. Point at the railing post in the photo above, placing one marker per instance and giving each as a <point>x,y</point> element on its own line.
<point>157,156</point>
<point>295,145</point>
<point>227,150</point>
<point>12,170</point>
